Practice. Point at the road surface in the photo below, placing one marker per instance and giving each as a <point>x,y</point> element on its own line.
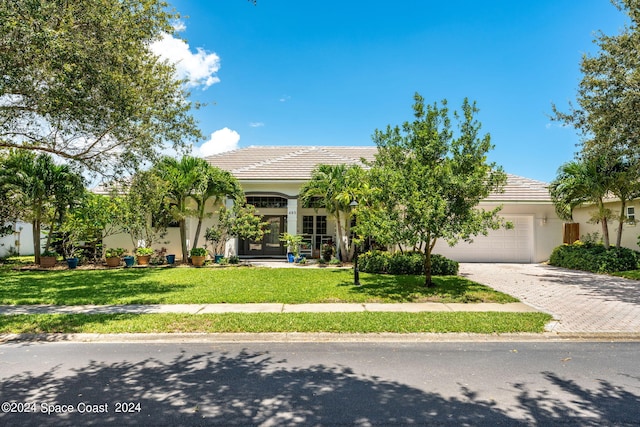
<point>289,384</point>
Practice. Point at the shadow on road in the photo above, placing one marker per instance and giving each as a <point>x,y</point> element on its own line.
<point>254,389</point>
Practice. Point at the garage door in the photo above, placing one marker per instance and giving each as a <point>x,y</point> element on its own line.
<point>515,245</point>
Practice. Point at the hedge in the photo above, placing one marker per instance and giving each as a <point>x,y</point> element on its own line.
<point>594,258</point>
<point>405,263</point>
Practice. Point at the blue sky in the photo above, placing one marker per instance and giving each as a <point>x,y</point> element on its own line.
<point>331,72</point>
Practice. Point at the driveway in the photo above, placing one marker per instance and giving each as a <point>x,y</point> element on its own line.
<point>579,301</point>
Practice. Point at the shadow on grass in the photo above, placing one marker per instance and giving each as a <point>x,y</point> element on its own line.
<point>252,388</point>
<point>127,286</point>
<point>449,289</point>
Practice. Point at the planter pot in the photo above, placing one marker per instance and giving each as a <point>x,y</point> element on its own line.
<point>171,259</point>
<point>217,258</point>
<point>113,261</point>
<point>72,262</point>
<point>47,261</point>
<point>143,259</point>
<point>197,261</point>
<point>290,257</point>
<point>128,261</point>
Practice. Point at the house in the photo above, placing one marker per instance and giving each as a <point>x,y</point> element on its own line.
<point>272,177</point>
<point>630,231</point>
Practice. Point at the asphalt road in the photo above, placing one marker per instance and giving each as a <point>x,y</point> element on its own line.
<point>285,384</point>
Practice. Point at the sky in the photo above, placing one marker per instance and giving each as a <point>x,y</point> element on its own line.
<point>331,72</point>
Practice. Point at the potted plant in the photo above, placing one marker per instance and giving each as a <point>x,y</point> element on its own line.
<point>198,255</point>
<point>143,255</point>
<point>293,245</point>
<point>128,260</point>
<point>73,259</point>
<point>328,251</point>
<point>113,256</point>
<point>48,259</point>
<point>216,237</point>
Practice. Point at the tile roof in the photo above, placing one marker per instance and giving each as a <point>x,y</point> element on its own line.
<point>286,163</point>
<point>297,162</point>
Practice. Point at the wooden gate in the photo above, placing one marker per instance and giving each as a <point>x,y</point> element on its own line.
<point>570,232</point>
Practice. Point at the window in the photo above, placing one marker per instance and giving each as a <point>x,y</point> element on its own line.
<point>321,224</point>
<point>631,215</point>
<point>267,201</point>
<point>307,224</point>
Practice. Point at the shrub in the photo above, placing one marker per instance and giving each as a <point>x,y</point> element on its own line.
<point>328,251</point>
<point>406,263</point>
<point>374,262</point>
<point>234,259</point>
<point>594,258</point>
<point>443,266</point>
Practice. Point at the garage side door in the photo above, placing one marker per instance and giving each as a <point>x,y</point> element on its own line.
<point>515,245</point>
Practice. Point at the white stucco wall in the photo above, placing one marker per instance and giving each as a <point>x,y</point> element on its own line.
<point>630,232</point>
<point>21,241</point>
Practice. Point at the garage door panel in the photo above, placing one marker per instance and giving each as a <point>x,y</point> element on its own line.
<point>514,245</point>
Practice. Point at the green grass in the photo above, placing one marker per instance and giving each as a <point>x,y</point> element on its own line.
<point>631,274</point>
<point>230,285</point>
<point>434,322</point>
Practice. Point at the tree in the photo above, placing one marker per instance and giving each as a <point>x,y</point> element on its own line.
<point>592,180</point>
<point>334,187</point>
<point>241,221</point>
<point>214,183</point>
<point>579,182</point>
<point>625,185</point>
<point>95,218</point>
<point>608,98</point>
<point>79,80</point>
<point>428,181</point>
<point>37,186</point>
<point>146,213</point>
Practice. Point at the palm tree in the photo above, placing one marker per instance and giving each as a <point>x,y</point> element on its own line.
<point>625,185</point>
<point>579,182</point>
<point>336,186</point>
<point>214,183</point>
<point>182,177</point>
<point>41,189</point>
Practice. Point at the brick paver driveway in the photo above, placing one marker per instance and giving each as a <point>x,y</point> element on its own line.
<point>580,301</point>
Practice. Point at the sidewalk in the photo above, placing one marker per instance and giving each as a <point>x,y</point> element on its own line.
<point>261,308</point>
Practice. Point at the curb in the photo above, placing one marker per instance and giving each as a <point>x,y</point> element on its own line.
<point>321,337</point>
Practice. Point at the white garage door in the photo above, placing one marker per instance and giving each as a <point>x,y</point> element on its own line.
<point>515,245</point>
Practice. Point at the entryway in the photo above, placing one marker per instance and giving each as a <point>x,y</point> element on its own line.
<point>270,245</point>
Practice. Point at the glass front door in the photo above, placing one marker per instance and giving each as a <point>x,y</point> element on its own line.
<point>270,245</point>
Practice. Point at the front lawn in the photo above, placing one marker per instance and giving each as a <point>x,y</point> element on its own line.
<point>230,285</point>
<point>366,322</point>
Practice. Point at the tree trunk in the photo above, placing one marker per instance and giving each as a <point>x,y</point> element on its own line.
<point>341,246</point>
<point>428,282</point>
<point>605,233</point>
<point>36,239</point>
<point>623,217</point>
<point>183,240</point>
<point>195,238</point>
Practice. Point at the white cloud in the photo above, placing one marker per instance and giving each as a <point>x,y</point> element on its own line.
<point>285,98</point>
<point>256,124</point>
<point>220,141</point>
<point>198,68</point>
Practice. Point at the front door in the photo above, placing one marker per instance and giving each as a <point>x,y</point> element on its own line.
<point>270,244</point>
